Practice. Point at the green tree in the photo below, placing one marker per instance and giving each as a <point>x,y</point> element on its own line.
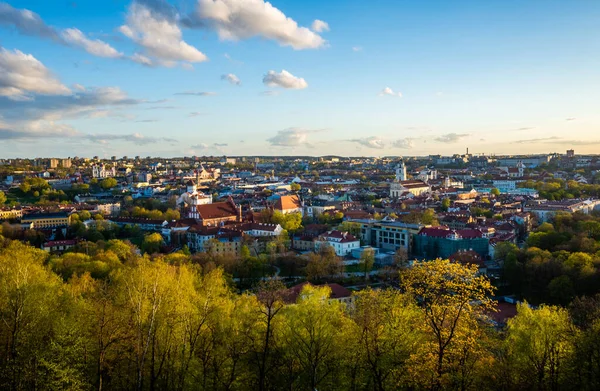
<point>311,337</point>
<point>539,343</point>
<point>2,197</point>
<point>108,183</point>
<point>495,192</point>
<point>445,204</point>
<point>384,326</point>
<point>452,297</point>
<point>152,243</point>
<point>367,260</point>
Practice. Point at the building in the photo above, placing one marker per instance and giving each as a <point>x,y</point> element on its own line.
<point>66,163</point>
<point>11,214</point>
<point>213,239</point>
<point>190,199</point>
<point>218,213</point>
<point>289,204</point>
<point>53,163</point>
<point>100,171</point>
<point>342,242</point>
<point>388,235</point>
<point>54,246</point>
<point>142,223</point>
<point>546,210</point>
<point>111,209</point>
<point>408,188</point>
<point>442,242</point>
<point>45,220</point>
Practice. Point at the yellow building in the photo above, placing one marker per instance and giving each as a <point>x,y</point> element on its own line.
<point>47,220</point>
<point>8,214</point>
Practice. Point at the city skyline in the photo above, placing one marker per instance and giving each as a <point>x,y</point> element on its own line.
<point>248,77</point>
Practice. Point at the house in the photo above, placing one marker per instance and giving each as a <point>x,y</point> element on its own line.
<point>289,204</point>
<point>54,246</point>
<point>218,213</point>
<point>342,242</point>
<point>214,239</point>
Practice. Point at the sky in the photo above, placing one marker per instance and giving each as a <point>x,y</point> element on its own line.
<point>291,77</point>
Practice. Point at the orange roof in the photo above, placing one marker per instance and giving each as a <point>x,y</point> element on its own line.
<point>217,210</point>
<point>288,202</point>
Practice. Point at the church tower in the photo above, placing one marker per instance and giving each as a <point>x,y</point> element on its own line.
<point>521,168</point>
<point>401,172</point>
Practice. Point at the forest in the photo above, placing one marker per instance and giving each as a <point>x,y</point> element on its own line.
<point>169,324</point>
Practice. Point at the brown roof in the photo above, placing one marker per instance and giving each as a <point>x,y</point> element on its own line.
<point>217,210</point>
<point>288,202</point>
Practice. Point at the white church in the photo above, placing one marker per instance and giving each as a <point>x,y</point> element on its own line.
<point>403,187</point>
<point>190,199</point>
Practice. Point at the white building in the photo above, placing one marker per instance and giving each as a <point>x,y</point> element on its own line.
<point>100,171</point>
<point>342,242</point>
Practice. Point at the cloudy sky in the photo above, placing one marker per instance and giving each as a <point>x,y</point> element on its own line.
<point>347,77</point>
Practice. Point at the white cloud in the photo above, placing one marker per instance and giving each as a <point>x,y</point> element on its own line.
<point>450,138</point>
<point>357,48</point>
<point>35,130</point>
<point>95,47</point>
<point>21,74</point>
<point>404,143</point>
<point>30,23</point>
<point>390,92</point>
<point>241,19</point>
<point>370,142</point>
<point>270,93</point>
<point>233,79</point>
<point>135,138</point>
<point>319,26</point>
<point>159,35</point>
<point>291,137</point>
<point>284,79</point>
<point>26,22</point>
<point>197,93</point>
<point>141,59</point>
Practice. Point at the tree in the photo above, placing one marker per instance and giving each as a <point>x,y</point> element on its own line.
<point>108,183</point>
<point>538,344</point>
<point>2,197</point>
<point>445,204</point>
<point>295,187</point>
<point>495,192</point>
<point>352,227</point>
<point>401,258</point>
<point>367,259</point>
<point>429,217</point>
<point>152,243</point>
<point>312,342</point>
<point>270,295</point>
<point>452,297</point>
<point>384,325</point>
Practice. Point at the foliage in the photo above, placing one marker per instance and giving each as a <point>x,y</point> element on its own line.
<point>164,322</point>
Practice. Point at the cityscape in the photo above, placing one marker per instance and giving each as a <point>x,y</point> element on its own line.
<point>310,229</point>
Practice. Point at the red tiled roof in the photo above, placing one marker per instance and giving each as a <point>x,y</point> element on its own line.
<point>288,202</point>
<point>217,210</point>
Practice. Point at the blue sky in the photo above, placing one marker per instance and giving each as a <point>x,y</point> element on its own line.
<point>245,77</point>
